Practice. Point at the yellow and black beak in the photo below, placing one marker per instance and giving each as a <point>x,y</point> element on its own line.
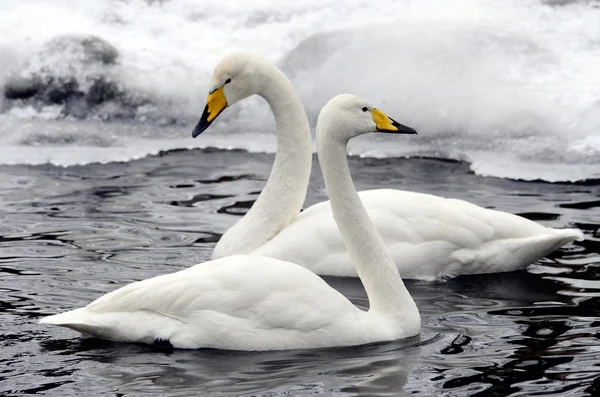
<point>215,104</point>
<point>384,123</point>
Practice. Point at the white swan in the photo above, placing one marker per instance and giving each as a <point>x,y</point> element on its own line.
<point>427,236</point>
<point>246,302</point>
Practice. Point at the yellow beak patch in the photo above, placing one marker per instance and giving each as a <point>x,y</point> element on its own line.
<point>382,121</point>
<point>215,103</point>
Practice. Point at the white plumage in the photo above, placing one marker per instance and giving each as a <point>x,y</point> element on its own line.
<point>237,302</point>
<point>427,236</point>
<point>247,302</point>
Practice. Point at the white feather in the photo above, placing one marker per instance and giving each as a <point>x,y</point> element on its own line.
<point>238,302</point>
<point>427,236</point>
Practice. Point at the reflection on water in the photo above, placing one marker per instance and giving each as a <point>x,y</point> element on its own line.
<point>374,369</point>
<point>69,235</point>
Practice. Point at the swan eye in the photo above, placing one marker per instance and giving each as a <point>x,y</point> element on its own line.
<point>227,81</point>
<point>365,109</point>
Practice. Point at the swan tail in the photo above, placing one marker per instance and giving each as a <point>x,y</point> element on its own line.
<point>138,326</point>
<point>514,254</point>
<point>567,235</point>
<point>538,247</point>
<point>76,320</point>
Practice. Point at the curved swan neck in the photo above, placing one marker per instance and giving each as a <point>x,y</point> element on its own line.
<point>283,195</point>
<point>375,267</point>
<point>291,123</point>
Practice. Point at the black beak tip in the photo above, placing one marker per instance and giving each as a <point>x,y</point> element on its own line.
<point>202,124</point>
<point>411,131</point>
<point>403,129</point>
<point>199,129</point>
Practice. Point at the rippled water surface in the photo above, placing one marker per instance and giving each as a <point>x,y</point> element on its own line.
<point>69,235</point>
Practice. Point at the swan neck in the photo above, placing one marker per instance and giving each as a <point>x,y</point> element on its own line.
<point>283,195</point>
<point>375,267</point>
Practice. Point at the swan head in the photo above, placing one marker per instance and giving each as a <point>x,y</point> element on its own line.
<point>347,116</point>
<point>237,76</point>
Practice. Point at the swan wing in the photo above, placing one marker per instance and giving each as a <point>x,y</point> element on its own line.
<point>428,237</point>
<point>238,302</point>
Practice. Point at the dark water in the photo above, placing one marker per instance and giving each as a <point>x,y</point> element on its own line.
<point>69,235</point>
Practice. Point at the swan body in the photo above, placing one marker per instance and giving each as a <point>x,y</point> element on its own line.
<point>235,303</point>
<point>248,302</point>
<point>427,236</point>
